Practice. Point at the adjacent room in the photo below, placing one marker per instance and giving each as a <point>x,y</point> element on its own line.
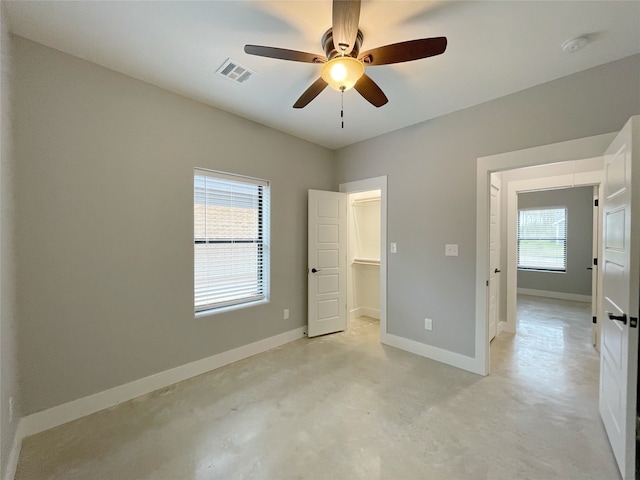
<point>216,262</point>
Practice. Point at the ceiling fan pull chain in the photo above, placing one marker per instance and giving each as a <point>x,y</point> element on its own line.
<point>342,106</point>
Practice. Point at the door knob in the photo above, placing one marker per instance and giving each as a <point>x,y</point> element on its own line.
<point>314,270</point>
<point>621,318</point>
<point>497,270</point>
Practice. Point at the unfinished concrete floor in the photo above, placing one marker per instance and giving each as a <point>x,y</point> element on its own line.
<point>345,407</point>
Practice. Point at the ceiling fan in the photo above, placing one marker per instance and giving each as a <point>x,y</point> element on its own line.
<point>343,65</point>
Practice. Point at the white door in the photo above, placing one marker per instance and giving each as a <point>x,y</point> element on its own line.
<point>619,306</point>
<point>494,256</point>
<point>327,262</point>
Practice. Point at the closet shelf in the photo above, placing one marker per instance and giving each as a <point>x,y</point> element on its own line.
<point>365,261</point>
<point>365,201</point>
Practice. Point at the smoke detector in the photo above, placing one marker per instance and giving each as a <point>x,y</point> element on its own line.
<point>574,44</point>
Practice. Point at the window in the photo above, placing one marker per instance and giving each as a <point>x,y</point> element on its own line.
<point>542,239</point>
<point>231,240</point>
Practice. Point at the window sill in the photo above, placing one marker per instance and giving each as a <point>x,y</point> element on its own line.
<point>541,270</point>
<point>230,308</point>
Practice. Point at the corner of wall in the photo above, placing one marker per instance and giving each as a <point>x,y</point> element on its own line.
<point>9,388</point>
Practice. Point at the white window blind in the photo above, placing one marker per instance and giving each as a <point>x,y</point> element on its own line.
<point>231,239</point>
<point>542,239</point>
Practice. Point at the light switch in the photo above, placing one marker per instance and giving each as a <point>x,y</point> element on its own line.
<point>393,248</point>
<point>451,250</point>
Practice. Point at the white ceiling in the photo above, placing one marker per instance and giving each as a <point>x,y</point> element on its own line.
<point>494,48</point>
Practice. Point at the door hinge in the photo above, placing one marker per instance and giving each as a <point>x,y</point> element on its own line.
<point>633,322</point>
<point>595,202</point>
<point>595,261</point>
<point>487,283</point>
<point>594,319</point>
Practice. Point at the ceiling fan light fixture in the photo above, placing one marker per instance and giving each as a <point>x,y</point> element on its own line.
<point>342,72</point>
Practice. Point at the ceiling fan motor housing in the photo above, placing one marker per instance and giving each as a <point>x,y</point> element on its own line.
<point>330,50</point>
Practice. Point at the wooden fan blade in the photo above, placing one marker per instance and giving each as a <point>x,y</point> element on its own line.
<point>310,93</point>
<point>284,54</point>
<point>405,51</point>
<point>370,91</point>
<point>346,15</point>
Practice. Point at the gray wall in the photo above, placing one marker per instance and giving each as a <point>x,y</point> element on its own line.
<point>579,204</point>
<point>105,222</point>
<point>8,319</point>
<point>431,169</point>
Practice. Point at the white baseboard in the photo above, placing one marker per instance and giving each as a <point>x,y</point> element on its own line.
<point>505,327</point>
<point>574,297</point>
<point>366,312</point>
<point>14,454</point>
<point>463,362</point>
<point>52,417</point>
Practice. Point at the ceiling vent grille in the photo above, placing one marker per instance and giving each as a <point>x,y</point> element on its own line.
<point>234,71</point>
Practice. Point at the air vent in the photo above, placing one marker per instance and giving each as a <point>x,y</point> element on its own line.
<point>234,71</point>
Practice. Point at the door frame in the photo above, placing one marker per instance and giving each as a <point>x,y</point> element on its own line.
<point>596,272</point>
<point>376,183</point>
<point>495,280</point>
<point>571,150</point>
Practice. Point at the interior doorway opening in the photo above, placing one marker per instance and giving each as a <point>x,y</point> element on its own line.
<point>550,185</point>
<point>572,186</point>
<point>363,257</point>
<point>617,276</point>
<point>562,155</point>
<point>557,243</point>
<point>549,342</point>
<point>366,251</point>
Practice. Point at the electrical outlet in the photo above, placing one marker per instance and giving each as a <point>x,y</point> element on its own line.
<point>393,247</point>
<point>10,409</point>
<point>286,313</point>
<point>428,324</point>
<point>451,250</point>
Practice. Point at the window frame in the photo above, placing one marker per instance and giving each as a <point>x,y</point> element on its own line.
<point>261,240</point>
<point>543,268</point>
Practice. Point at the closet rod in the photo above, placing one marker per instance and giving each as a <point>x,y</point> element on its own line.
<point>365,261</point>
<point>365,200</point>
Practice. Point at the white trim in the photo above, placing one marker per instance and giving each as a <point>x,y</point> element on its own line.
<point>432,353</point>
<point>14,454</point>
<point>574,297</point>
<point>502,327</point>
<point>558,152</point>
<point>376,183</point>
<point>495,183</point>
<point>596,287</point>
<point>52,417</point>
<point>233,177</point>
<point>365,312</point>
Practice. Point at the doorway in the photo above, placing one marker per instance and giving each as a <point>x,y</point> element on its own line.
<point>618,358</point>
<point>553,280</point>
<point>363,257</point>
<point>563,154</point>
<point>543,185</point>
<point>366,252</point>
